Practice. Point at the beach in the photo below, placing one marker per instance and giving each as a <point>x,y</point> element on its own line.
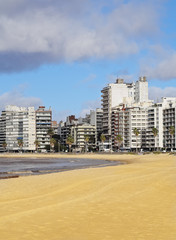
<point>136,200</point>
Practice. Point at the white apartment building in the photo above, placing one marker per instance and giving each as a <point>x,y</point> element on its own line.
<point>122,93</point>
<point>155,120</point>
<point>18,123</point>
<point>43,124</point>
<point>113,95</point>
<point>124,121</point>
<point>169,120</point>
<point>79,132</point>
<point>96,119</point>
<point>141,90</point>
<point>161,116</point>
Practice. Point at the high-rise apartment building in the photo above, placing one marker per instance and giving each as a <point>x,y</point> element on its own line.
<point>162,117</point>
<point>18,123</point>
<point>113,95</point>
<point>141,90</point>
<point>96,119</point>
<point>155,120</point>
<point>169,120</point>
<point>122,93</point>
<point>124,121</point>
<point>43,124</point>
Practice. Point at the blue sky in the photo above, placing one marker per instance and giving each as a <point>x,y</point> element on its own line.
<point>62,53</point>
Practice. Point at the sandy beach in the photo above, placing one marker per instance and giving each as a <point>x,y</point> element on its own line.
<point>135,201</point>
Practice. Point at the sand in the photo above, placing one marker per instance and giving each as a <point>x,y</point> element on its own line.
<point>133,201</point>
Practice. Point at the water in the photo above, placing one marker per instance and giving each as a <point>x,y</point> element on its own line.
<point>15,167</point>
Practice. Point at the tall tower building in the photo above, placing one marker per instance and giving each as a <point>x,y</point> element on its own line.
<point>96,119</point>
<point>113,95</point>
<point>141,90</point>
<point>43,124</point>
<point>18,123</point>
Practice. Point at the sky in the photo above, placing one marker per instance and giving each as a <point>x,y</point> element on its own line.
<point>60,54</point>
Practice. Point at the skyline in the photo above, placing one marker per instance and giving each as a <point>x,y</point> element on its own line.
<point>62,54</point>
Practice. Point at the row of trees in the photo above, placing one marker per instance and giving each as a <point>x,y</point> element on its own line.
<point>119,138</point>
<point>155,133</point>
<point>70,139</point>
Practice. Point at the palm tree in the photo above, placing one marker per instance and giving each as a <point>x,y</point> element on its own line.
<point>119,140</point>
<point>69,141</point>
<point>37,144</point>
<point>102,138</point>
<point>172,132</point>
<point>136,133</point>
<point>86,139</point>
<point>50,132</point>
<point>4,145</point>
<point>155,133</point>
<point>52,143</point>
<point>20,143</point>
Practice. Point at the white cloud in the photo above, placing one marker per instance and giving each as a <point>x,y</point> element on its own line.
<point>89,105</point>
<point>16,97</point>
<point>37,32</point>
<point>165,69</point>
<point>160,63</point>
<point>156,93</point>
<point>60,115</point>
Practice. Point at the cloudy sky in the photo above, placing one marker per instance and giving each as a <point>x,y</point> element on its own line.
<point>62,53</point>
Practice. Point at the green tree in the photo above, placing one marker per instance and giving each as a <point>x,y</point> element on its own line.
<point>20,143</point>
<point>119,140</point>
<point>155,133</point>
<point>37,144</point>
<point>136,133</point>
<point>86,140</point>
<point>4,145</point>
<point>50,132</point>
<point>102,138</point>
<point>69,141</point>
<point>52,143</point>
<point>171,132</point>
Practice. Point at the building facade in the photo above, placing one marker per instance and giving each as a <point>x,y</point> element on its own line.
<point>18,123</point>
<point>43,124</point>
<point>79,132</point>
<point>124,121</point>
<point>113,95</point>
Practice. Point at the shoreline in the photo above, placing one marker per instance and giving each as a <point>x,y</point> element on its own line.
<point>13,167</point>
<point>130,201</point>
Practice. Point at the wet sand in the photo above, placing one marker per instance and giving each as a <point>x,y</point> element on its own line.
<point>132,201</point>
<point>16,167</point>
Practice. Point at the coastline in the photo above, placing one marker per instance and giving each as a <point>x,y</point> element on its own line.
<point>129,201</point>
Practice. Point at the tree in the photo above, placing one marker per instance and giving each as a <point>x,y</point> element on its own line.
<point>172,132</point>
<point>86,139</point>
<point>4,145</point>
<point>37,144</point>
<point>20,143</point>
<point>52,143</point>
<point>119,140</point>
<point>102,138</point>
<point>136,133</point>
<point>69,141</point>
<point>50,132</point>
<point>155,133</point>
